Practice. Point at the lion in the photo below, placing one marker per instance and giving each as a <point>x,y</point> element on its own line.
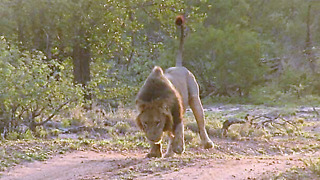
<point>162,102</point>
<point>160,110</point>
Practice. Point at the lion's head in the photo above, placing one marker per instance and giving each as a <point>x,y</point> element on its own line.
<point>154,119</point>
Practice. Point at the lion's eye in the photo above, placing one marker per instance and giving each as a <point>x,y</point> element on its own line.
<point>158,123</point>
<point>144,125</point>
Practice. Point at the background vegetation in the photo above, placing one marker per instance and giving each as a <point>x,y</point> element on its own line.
<point>58,55</point>
<point>66,66</point>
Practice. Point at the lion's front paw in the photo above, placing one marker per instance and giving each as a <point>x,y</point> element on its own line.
<point>153,154</point>
<point>207,144</point>
<point>178,146</point>
<point>178,149</point>
<point>168,154</point>
<point>155,151</point>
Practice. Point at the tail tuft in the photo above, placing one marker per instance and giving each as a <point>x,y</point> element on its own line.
<point>180,20</point>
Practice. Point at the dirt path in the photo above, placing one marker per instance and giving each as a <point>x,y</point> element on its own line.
<point>249,168</point>
<point>74,165</point>
<point>92,165</point>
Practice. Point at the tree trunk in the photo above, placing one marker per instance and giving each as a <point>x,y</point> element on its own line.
<point>308,47</point>
<point>81,61</point>
<point>20,30</point>
<point>81,64</point>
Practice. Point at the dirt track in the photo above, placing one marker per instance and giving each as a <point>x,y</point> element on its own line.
<point>229,160</point>
<point>92,165</point>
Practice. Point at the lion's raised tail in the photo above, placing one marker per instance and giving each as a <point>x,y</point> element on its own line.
<point>180,22</point>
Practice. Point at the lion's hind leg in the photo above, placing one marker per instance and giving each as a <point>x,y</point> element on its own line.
<point>199,115</point>
<point>197,109</point>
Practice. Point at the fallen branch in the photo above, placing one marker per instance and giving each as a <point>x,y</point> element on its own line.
<point>229,122</point>
<point>314,109</point>
<point>257,122</point>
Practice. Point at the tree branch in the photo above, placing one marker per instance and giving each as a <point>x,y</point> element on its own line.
<point>52,115</point>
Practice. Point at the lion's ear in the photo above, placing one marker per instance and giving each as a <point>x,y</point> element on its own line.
<point>138,121</point>
<point>141,105</point>
<point>168,123</point>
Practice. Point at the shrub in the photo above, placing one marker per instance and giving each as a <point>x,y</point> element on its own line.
<point>229,59</point>
<point>33,89</point>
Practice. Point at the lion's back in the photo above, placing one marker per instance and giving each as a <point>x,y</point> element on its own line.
<point>179,78</point>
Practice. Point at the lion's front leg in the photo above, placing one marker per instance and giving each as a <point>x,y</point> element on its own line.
<point>178,140</point>
<point>155,150</point>
<point>169,152</point>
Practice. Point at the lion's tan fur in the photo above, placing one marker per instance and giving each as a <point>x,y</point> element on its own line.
<point>188,88</point>
<point>179,77</point>
<point>160,110</point>
<point>165,97</point>
<point>163,100</point>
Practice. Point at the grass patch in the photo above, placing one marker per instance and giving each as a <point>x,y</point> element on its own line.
<point>310,172</point>
<point>15,152</point>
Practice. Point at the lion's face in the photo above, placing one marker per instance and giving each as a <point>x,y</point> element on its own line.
<point>153,122</point>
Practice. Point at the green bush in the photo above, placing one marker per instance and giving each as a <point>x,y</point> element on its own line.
<point>291,87</point>
<point>33,89</point>
<point>224,60</point>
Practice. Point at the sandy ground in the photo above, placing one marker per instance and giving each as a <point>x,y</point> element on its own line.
<point>92,165</point>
